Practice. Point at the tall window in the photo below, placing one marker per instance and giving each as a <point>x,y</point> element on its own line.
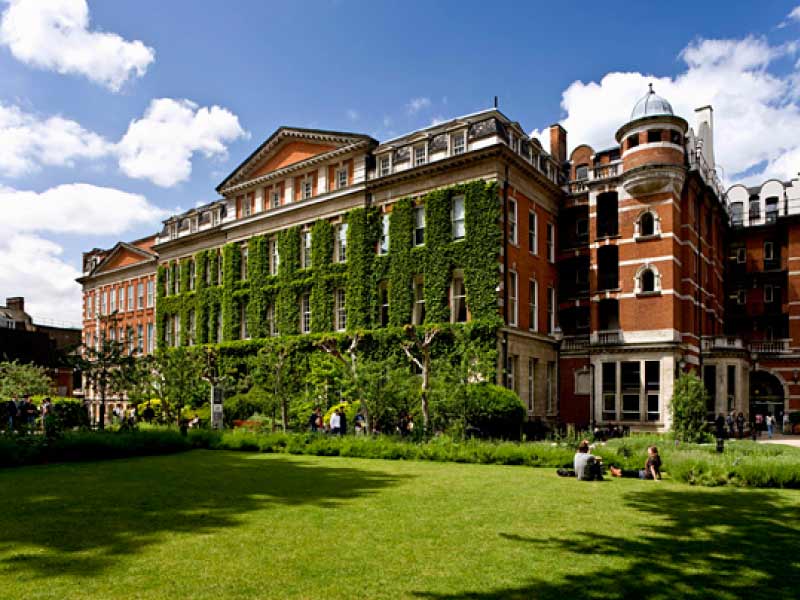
<point>176,279</point>
<point>112,300</point>
<point>420,155</point>
<point>271,329</point>
<point>246,206</point>
<point>533,308</point>
<point>150,338</point>
<point>769,251</point>
<point>121,297</point>
<point>244,265</point>
<point>274,257</point>
<point>340,310</point>
<point>219,266</point>
<point>630,378</point>
<point>419,225</point>
<point>130,296</point>
<point>457,217</point>
<point>385,166</point>
<point>307,189</point>
<point>341,178</point>
<point>190,335</point>
<point>459,143</point>
<point>512,298</point>
<point>419,301</point>
<point>458,300</point>
<point>243,332</point>
<point>609,390</point>
<point>652,384</point>
<point>511,372</point>
<point>218,325</point>
<point>551,388</point>
<point>176,325</point>
<point>305,311</point>
<point>647,224</point>
<point>532,225</point>
<point>383,247</point>
<point>341,243</point>
<point>191,275</point>
<point>383,296</point>
<point>551,246</point>
<point>276,198</point>
<point>150,294</point>
<point>103,296</point>
<point>731,386</point>
<point>512,220</point>
<point>551,310</point>
<point>306,256</point>
<point>140,295</point>
<point>531,383</point>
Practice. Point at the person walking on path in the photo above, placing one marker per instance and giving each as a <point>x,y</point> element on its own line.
<point>730,421</point>
<point>342,423</point>
<point>720,426</point>
<point>770,425</point>
<point>335,422</point>
<point>787,424</point>
<point>740,424</point>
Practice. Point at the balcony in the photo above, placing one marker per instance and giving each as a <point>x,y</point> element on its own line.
<point>605,171</point>
<point>722,343</point>
<point>609,337</point>
<point>578,186</point>
<point>770,347</point>
<point>575,342</point>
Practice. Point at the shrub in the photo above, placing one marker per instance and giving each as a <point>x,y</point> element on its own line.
<point>496,411</point>
<point>242,406</point>
<point>688,406</point>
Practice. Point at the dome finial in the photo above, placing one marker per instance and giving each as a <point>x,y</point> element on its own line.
<point>651,88</point>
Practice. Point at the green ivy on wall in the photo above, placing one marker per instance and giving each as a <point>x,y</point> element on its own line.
<point>476,255</point>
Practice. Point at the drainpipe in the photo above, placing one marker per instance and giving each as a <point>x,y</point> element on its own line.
<point>504,352</point>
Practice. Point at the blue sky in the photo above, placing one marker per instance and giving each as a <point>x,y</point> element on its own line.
<point>382,68</point>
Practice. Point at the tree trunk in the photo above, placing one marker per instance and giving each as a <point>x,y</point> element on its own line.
<point>284,414</point>
<point>426,367</point>
<point>102,407</point>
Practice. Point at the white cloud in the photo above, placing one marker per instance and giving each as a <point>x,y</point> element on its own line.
<point>793,16</point>
<point>33,266</point>
<point>756,114</point>
<point>160,145</point>
<point>417,104</point>
<point>438,119</point>
<point>28,141</point>
<point>55,35</point>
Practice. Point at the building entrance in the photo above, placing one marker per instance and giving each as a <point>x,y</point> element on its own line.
<point>766,396</point>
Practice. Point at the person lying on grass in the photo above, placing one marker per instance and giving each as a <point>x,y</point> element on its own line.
<point>652,467</point>
<point>588,467</point>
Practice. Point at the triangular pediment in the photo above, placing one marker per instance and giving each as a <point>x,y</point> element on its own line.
<point>291,147</point>
<point>123,255</point>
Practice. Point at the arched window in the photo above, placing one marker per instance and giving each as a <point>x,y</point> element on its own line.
<point>755,207</point>
<point>737,214</point>
<point>648,281</point>
<point>647,224</point>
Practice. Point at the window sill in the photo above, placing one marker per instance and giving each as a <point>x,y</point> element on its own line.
<point>648,294</point>
<point>647,238</point>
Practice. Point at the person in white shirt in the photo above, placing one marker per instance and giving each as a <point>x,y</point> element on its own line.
<point>336,421</point>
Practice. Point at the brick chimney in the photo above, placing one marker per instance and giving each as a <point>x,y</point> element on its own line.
<point>16,303</point>
<point>558,143</point>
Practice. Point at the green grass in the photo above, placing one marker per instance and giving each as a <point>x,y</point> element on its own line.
<point>219,524</point>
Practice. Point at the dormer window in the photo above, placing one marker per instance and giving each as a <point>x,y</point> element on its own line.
<point>420,155</point>
<point>385,166</point>
<point>276,199</point>
<point>582,172</point>
<point>246,207</point>
<point>341,178</point>
<point>308,189</point>
<point>459,143</point>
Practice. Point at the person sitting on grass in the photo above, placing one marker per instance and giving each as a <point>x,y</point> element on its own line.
<point>588,467</point>
<point>652,467</point>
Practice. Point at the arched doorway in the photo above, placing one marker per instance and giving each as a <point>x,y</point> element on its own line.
<point>766,395</point>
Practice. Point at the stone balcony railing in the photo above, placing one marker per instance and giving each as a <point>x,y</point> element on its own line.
<point>722,343</point>
<point>575,342</point>
<point>609,337</point>
<point>770,347</point>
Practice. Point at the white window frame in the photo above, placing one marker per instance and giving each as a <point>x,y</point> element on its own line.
<point>274,257</point>
<point>276,198</point>
<point>150,338</point>
<point>383,244</point>
<point>244,262</point>
<point>418,317</point>
<point>513,230</point>
<point>533,305</point>
<point>247,208</point>
<point>550,375</point>
<point>385,165</point>
<point>340,309</point>
<point>769,251</point>
<point>150,293</point>
<point>513,298</point>
<point>419,210</point>
<point>130,294</point>
<point>458,276</point>
<point>271,330</point>
<point>244,334</point>
<point>458,224</point>
<point>455,147</point>
<point>533,233</point>
<point>551,243</point>
<point>551,309</point>
<point>420,160</point>
<point>741,255</point>
<point>306,249</point>
<point>140,295</point>
<point>340,185</point>
<point>341,243</point>
<point>531,385</point>
<point>305,313</point>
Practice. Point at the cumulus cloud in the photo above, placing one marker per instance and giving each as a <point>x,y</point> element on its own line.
<point>756,110</point>
<point>55,35</point>
<point>33,266</point>
<point>417,104</point>
<point>160,145</point>
<point>792,17</point>
<point>28,141</point>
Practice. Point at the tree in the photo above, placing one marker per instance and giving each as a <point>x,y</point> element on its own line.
<point>277,368</point>
<point>417,347</point>
<point>351,362</point>
<point>105,366</point>
<point>20,379</point>
<point>178,380</point>
<point>688,406</point>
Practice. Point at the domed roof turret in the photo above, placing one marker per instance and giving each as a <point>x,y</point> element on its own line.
<point>651,105</point>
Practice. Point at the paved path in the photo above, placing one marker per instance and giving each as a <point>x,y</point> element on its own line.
<point>789,440</point>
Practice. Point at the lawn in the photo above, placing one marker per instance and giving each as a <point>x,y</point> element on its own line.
<point>218,524</point>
